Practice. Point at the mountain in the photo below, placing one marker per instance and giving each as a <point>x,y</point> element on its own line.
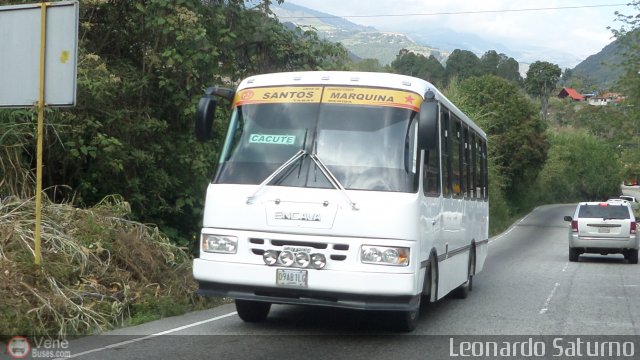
<point>449,40</point>
<point>603,69</point>
<point>363,41</point>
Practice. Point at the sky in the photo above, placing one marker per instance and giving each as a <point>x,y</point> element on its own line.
<point>581,31</point>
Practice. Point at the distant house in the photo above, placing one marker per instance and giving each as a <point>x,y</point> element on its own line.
<point>606,99</point>
<point>571,93</point>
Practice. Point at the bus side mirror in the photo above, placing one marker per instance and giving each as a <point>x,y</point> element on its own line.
<point>428,122</point>
<point>206,111</point>
<point>204,117</point>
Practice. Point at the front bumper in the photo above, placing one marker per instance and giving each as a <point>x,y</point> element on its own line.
<point>352,290</point>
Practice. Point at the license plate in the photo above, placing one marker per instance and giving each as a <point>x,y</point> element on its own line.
<point>291,277</point>
<point>604,230</point>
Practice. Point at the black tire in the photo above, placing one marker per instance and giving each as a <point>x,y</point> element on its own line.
<point>632,256</point>
<point>407,321</point>
<point>574,254</point>
<point>430,292</point>
<point>252,311</point>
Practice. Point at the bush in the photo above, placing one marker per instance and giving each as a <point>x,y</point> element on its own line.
<point>580,167</point>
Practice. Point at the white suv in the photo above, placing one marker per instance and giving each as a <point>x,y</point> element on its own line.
<point>603,228</point>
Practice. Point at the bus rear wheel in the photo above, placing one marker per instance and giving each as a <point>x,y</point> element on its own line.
<point>462,291</point>
<point>252,311</point>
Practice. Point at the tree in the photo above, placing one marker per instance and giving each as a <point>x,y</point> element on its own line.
<point>629,83</point>
<point>567,74</point>
<point>541,80</point>
<point>462,64</point>
<point>501,65</point>
<point>517,136</point>
<point>509,69</point>
<point>409,63</point>
<point>489,62</point>
<point>579,167</point>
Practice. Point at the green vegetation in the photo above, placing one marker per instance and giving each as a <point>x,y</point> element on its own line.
<point>461,64</point>
<point>579,167</point>
<point>99,270</point>
<point>143,67</point>
<point>541,81</point>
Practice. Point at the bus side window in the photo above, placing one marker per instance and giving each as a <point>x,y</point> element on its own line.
<point>456,157</point>
<point>475,166</point>
<point>466,167</point>
<point>484,178</point>
<point>445,132</point>
<point>431,170</point>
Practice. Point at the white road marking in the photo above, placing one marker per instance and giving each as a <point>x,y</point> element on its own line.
<point>151,336</point>
<point>546,303</point>
<point>510,229</point>
<point>565,267</point>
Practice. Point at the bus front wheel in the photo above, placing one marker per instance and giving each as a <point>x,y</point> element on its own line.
<point>252,311</point>
<point>406,321</point>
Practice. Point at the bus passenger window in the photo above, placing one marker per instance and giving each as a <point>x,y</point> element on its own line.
<point>446,152</point>
<point>456,158</point>
<point>431,169</point>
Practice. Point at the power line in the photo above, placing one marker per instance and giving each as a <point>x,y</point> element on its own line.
<point>455,12</point>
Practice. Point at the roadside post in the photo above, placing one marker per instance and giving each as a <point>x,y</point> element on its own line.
<point>38,68</point>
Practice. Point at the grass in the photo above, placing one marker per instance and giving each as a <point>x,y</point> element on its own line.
<point>99,270</point>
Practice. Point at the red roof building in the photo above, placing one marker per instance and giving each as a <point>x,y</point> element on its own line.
<point>572,93</point>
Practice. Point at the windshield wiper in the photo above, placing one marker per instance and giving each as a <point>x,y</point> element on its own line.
<point>332,179</point>
<point>293,159</point>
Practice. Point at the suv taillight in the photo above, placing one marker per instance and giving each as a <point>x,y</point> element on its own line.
<point>634,227</point>
<point>574,225</point>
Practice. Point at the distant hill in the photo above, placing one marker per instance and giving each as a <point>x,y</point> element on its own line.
<point>363,41</point>
<point>603,68</point>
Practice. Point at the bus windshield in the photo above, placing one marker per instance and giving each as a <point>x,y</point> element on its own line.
<point>366,147</point>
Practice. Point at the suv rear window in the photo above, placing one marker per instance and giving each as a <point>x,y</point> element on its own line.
<point>599,211</point>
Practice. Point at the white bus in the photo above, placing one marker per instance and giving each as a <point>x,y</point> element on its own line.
<point>344,189</point>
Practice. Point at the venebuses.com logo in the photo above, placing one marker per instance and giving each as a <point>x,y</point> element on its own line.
<point>19,347</point>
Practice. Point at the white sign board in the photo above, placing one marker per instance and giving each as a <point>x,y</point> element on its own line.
<point>20,54</point>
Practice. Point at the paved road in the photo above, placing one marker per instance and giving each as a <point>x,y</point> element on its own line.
<point>528,288</point>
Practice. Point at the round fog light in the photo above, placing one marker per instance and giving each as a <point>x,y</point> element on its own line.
<point>270,257</point>
<point>318,261</point>
<point>302,259</point>
<point>286,258</point>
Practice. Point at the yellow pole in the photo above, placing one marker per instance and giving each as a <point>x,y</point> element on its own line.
<point>41,105</point>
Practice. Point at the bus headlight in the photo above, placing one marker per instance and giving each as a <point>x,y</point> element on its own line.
<point>384,255</point>
<point>219,244</point>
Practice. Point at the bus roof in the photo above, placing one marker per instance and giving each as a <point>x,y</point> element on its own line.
<point>355,78</point>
